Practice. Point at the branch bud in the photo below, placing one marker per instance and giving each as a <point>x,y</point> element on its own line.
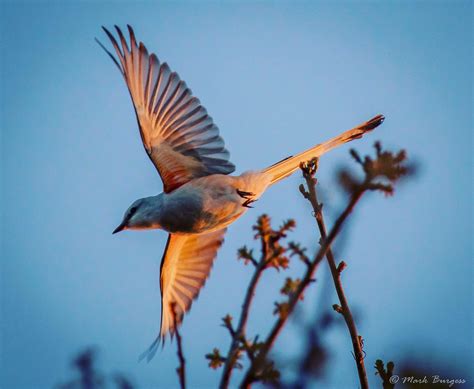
<point>337,308</point>
<point>340,268</point>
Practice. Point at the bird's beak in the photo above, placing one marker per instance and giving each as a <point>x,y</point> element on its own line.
<point>121,227</point>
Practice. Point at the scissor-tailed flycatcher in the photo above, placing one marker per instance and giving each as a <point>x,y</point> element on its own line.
<point>200,198</point>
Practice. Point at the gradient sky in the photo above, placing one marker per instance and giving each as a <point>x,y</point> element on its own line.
<point>276,78</point>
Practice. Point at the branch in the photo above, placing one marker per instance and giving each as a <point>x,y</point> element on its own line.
<point>309,171</point>
<point>381,174</point>
<point>273,255</point>
<point>252,373</point>
<point>239,334</point>
<point>385,374</point>
<point>181,369</point>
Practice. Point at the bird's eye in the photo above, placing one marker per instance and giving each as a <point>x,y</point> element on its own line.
<point>132,210</point>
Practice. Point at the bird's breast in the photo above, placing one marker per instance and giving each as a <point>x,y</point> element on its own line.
<point>202,205</point>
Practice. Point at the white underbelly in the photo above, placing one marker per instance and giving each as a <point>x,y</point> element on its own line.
<point>210,203</point>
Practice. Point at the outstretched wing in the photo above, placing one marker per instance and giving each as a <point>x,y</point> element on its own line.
<point>178,135</point>
<point>185,267</point>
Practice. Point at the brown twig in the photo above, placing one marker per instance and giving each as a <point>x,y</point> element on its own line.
<point>381,174</point>
<point>385,374</point>
<point>239,332</point>
<point>309,172</point>
<point>238,335</point>
<point>181,369</point>
<point>251,374</point>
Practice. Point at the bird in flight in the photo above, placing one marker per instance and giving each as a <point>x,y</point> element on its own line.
<point>200,198</point>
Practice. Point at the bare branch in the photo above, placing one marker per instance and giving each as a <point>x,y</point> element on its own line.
<point>252,373</point>
<point>181,369</point>
<point>381,174</point>
<point>239,333</point>
<point>273,255</point>
<point>309,175</point>
<point>385,374</point>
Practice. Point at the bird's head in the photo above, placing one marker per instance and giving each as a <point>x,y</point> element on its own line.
<point>141,215</point>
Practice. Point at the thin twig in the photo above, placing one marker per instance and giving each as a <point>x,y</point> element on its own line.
<point>385,374</point>
<point>381,174</point>
<point>312,197</point>
<point>251,373</point>
<point>181,369</point>
<point>238,334</point>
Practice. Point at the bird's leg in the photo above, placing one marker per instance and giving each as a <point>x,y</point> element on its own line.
<point>248,196</point>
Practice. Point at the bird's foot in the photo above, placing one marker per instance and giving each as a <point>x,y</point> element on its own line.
<point>248,196</point>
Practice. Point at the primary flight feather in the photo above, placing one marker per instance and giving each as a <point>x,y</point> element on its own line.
<point>200,198</point>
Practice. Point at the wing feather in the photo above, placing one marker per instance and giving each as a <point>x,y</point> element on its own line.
<point>185,266</point>
<point>178,135</point>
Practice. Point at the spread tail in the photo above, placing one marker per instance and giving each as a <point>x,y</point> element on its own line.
<point>289,165</point>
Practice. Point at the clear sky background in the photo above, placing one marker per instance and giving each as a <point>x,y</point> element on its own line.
<point>276,78</point>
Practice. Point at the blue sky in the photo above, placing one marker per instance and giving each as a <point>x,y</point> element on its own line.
<point>276,78</point>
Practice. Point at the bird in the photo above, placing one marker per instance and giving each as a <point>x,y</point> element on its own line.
<point>200,197</point>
